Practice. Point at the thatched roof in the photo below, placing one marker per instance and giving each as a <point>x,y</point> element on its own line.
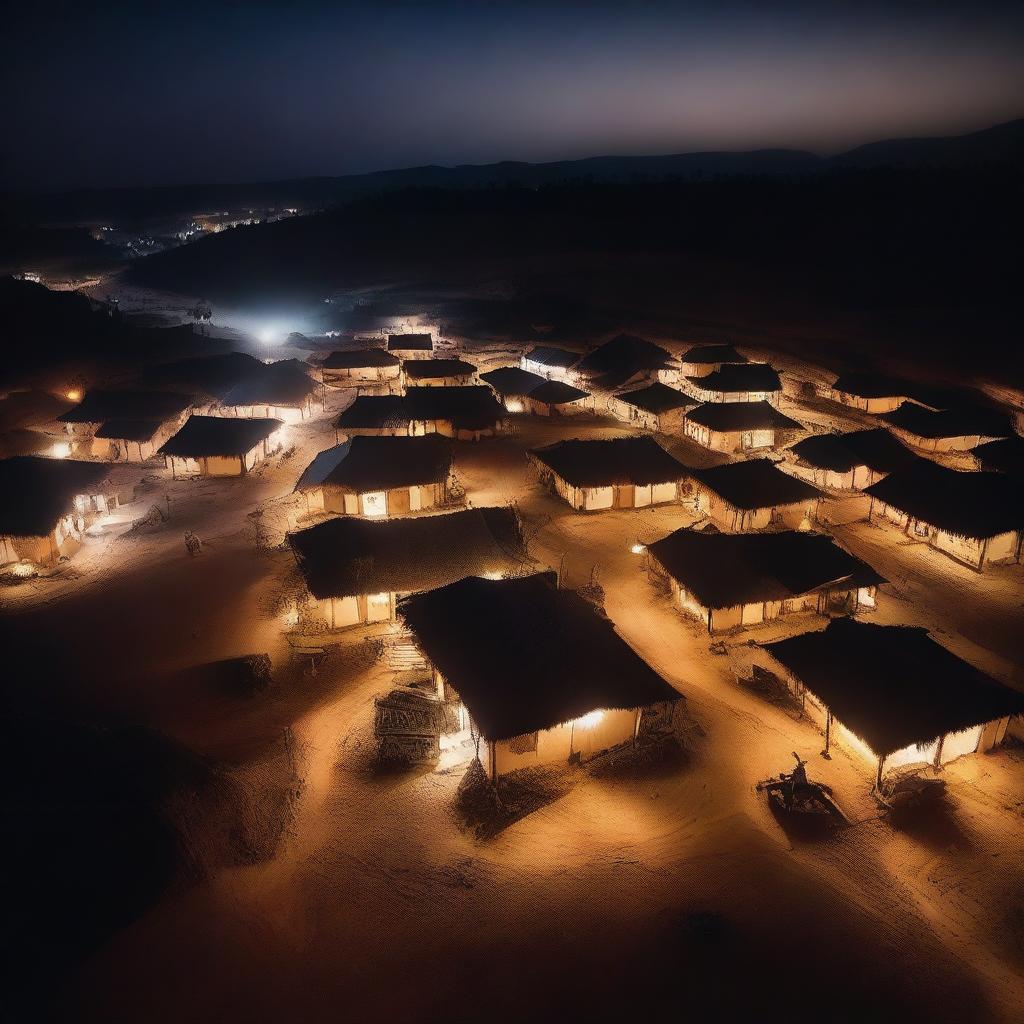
<point>411,342</point>
<point>557,358</point>
<point>738,378</point>
<point>209,375</point>
<point>557,392</point>
<point>100,405</point>
<point>342,557</point>
<point>1005,455</point>
<point>467,408</point>
<point>380,463</point>
<point>975,505</point>
<point>877,449</point>
<point>893,685</point>
<point>755,483</point>
<point>428,369</point>
<point>525,656</point>
<point>374,412</point>
<point>723,570</point>
<point>712,354</point>
<point>922,422</point>
<point>510,381</point>
<point>204,436</point>
<point>37,491</point>
<point>284,383</point>
<point>618,460</point>
<point>129,429</point>
<point>870,385</point>
<point>625,354</point>
<point>355,359</point>
<point>726,417</point>
<point>656,398</point>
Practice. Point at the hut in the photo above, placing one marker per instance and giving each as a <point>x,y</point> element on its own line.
<point>870,392</point>
<point>283,390</point>
<point>625,359</point>
<point>209,378</point>
<point>512,384</point>
<point>622,472</point>
<point>738,382</point>
<point>700,360</point>
<point>945,430</point>
<point>378,476</point>
<point>655,407</point>
<point>893,696</point>
<point>411,346</point>
<point>853,461</point>
<point>753,495</point>
<point>45,505</point>
<point>465,413</point>
<point>737,426</point>
<point>730,580</point>
<point>556,398</point>
<point>220,446</point>
<point>550,363</point>
<point>100,406</point>
<point>436,373</point>
<point>542,702</point>
<point>131,440</point>
<point>360,366</point>
<point>1003,456</point>
<point>355,569</point>
<point>976,518</point>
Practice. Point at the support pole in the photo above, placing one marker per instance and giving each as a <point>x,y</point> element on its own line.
<point>878,774</point>
<point>937,763</point>
<point>828,735</point>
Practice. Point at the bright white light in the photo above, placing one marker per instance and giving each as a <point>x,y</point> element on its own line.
<point>638,549</point>
<point>590,720</point>
<point>380,599</point>
<point>513,406</point>
<point>61,450</point>
<point>492,575</point>
<point>74,395</point>
<point>23,568</point>
<point>267,336</point>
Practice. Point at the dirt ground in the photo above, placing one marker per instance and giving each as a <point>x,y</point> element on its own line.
<point>668,893</point>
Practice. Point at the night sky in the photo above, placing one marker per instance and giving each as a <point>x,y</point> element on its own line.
<point>153,93</point>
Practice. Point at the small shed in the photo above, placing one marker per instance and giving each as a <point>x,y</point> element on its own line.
<point>943,430</point>
<point>655,407</point>
<point>976,518</point>
<point>220,446</point>
<point>870,392</point>
<point>378,476</point>
<point>700,360</point>
<point>625,359</point>
<point>411,346</point>
<point>738,382</point>
<point>738,426</point>
<point>100,406</point>
<point>547,701</point>
<point>557,398</point>
<point>621,472</point>
<point>284,390</point>
<point>852,461</point>
<point>435,373</point>
<point>753,495</point>
<point>731,580</point>
<point>892,695</point>
<point>550,363</point>
<point>512,384</point>
<point>130,440</point>
<point>360,366</point>
<point>356,569</point>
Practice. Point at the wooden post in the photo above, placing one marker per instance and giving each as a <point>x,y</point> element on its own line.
<point>878,774</point>
<point>828,735</point>
<point>937,763</point>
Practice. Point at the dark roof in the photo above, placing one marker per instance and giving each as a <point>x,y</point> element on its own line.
<point>210,375</point>
<point>380,463</point>
<point>38,491</point>
<point>735,416</point>
<point>726,569</point>
<point>346,556</point>
<point>625,353</point>
<point>618,460</point>
<point>712,354</point>
<point>893,685</point>
<point>922,422</point>
<point>511,380</point>
<point>877,449</point>
<point>976,505</point>
<point>129,430</point>
<point>411,342</point>
<point>656,398</point>
<point>100,405</point>
<point>557,392</point>
<point>469,408</point>
<point>1005,455</point>
<point>427,368</point>
<point>870,385</point>
<point>559,358</point>
<point>525,656</point>
<point>203,436</point>
<point>357,358</point>
<point>739,377</point>
<point>755,483</point>
<point>284,383</point>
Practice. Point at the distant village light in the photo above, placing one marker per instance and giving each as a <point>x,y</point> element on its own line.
<point>74,395</point>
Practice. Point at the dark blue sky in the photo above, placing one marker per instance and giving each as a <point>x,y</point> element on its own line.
<point>155,93</point>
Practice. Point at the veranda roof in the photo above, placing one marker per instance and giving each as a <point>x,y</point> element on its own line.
<point>510,381</point>
<point>737,378</point>
<point>725,417</point>
<point>656,398</point>
<point>877,449</point>
<point>129,429</point>
<point>753,484</point>
<point>205,436</point>
<point>619,460</point>
<point>380,463</point>
<point>557,392</point>
<point>557,358</point>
